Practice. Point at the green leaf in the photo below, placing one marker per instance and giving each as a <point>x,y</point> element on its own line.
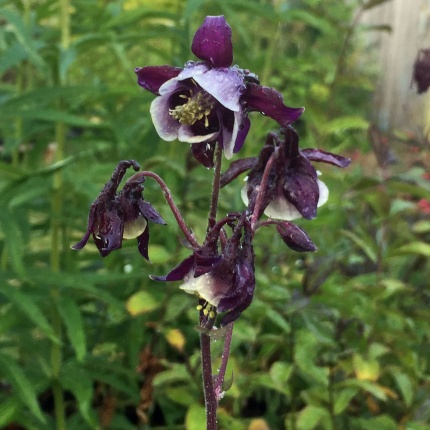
<point>9,409</point>
<point>195,417</point>
<point>405,385</point>
<point>29,308</point>
<point>80,382</point>
<point>72,318</point>
<point>280,372</point>
<point>417,248</point>
<point>343,398</point>
<point>23,386</point>
<point>367,386</point>
<point>13,240</point>
<point>422,226</point>
<point>191,7</point>
<point>310,417</point>
<point>345,123</point>
<point>365,243</point>
<point>141,303</point>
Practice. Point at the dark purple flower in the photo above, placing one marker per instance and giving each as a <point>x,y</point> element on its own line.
<point>116,216</point>
<point>421,72</point>
<point>209,101</point>
<point>293,189</point>
<point>225,282</point>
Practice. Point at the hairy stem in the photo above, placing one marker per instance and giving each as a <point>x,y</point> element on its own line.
<point>168,195</point>
<point>211,402</point>
<point>56,228</point>
<point>215,186</point>
<point>224,360</point>
<point>260,196</point>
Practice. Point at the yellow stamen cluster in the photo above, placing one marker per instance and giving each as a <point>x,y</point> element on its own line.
<point>208,310</point>
<point>197,107</point>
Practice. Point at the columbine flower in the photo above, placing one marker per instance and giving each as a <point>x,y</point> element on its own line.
<point>293,189</point>
<point>224,282</point>
<point>116,216</point>
<point>421,72</point>
<point>208,101</point>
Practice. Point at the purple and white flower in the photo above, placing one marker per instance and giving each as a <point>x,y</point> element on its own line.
<point>116,216</point>
<point>208,101</point>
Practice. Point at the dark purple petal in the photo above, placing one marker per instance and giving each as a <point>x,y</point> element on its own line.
<point>177,273</point>
<point>205,264</point>
<point>142,243</point>
<point>212,42</point>
<point>91,220</point>
<point>241,135</point>
<point>108,235</point>
<point>326,157</point>
<point>204,153</point>
<point>236,168</point>
<point>150,213</point>
<point>271,103</point>
<point>226,85</point>
<point>152,77</point>
<point>295,238</point>
<point>235,313</point>
<point>301,187</point>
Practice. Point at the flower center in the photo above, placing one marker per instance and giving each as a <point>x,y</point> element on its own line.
<point>207,309</point>
<point>197,107</point>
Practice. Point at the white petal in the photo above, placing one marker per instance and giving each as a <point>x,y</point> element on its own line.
<point>171,85</point>
<point>166,126</point>
<point>202,286</point>
<point>229,138</point>
<point>281,208</point>
<point>226,85</point>
<point>134,228</point>
<point>185,134</point>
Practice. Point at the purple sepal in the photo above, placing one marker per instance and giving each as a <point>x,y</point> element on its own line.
<point>241,135</point>
<point>153,77</point>
<point>271,103</point>
<point>301,187</point>
<point>143,242</point>
<point>212,42</point>
<point>236,168</point>
<point>177,273</point>
<point>294,237</point>
<point>150,213</point>
<point>326,157</point>
<point>204,153</point>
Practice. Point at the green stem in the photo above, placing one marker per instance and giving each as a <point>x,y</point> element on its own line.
<point>56,242</point>
<point>215,186</point>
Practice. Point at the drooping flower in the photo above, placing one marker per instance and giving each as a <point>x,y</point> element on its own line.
<point>208,101</point>
<point>293,189</point>
<point>225,282</point>
<point>116,216</point>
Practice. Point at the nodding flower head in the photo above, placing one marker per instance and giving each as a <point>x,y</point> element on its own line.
<point>208,101</point>
<point>293,189</point>
<point>223,281</point>
<point>115,216</point>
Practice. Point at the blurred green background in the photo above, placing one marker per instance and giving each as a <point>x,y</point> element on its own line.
<point>334,340</point>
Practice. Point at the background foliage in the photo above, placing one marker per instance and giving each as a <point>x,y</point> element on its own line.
<point>334,340</point>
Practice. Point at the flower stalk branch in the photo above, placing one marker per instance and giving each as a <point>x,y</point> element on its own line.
<point>168,196</point>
